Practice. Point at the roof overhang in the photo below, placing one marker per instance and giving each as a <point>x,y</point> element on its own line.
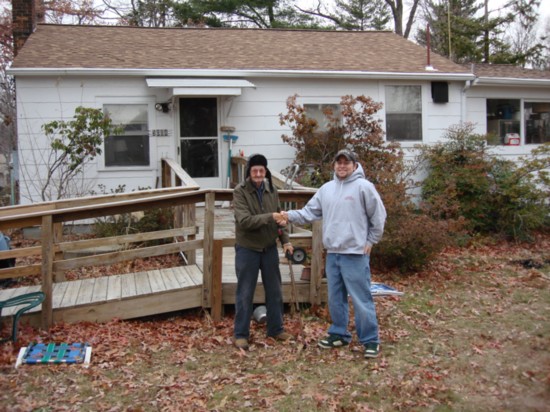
<point>203,87</point>
<point>167,73</point>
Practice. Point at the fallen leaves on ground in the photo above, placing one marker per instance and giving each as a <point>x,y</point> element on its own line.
<point>470,333</point>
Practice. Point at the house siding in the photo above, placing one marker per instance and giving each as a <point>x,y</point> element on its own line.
<point>254,114</point>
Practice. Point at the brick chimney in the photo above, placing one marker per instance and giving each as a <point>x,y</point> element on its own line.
<point>25,15</point>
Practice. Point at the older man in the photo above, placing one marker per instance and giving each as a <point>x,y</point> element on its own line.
<point>256,203</point>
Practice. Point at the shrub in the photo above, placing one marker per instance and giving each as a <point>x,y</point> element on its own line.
<point>493,195</point>
<point>74,144</point>
<point>126,223</point>
<point>410,239</point>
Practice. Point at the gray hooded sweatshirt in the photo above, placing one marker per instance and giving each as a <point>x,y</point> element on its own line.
<point>352,211</point>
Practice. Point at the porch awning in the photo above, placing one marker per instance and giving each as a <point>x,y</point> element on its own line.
<point>202,87</point>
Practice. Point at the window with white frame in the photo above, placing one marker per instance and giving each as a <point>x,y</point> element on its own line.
<point>403,113</point>
<point>131,146</point>
<point>503,121</point>
<point>537,122</point>
<point>324,114</point>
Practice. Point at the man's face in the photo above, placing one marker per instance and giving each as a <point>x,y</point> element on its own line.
<point>257,175</point>
<point>343,167</point>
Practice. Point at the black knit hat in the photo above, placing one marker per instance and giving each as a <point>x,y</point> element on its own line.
<point>258,160</point>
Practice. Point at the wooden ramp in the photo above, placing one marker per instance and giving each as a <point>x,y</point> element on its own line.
<point>141,294</point>
<point>120,296</point>
<point>154,292</point>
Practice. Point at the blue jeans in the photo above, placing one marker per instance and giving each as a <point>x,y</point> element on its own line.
<point>350,274</point>
<point>247,265</point>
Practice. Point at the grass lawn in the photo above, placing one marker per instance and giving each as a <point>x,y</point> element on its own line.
<point>471,333</point>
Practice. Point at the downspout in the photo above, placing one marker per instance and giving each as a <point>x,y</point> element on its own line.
<point>465,89</point>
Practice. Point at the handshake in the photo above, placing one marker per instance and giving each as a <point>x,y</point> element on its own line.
<point>281,218</point>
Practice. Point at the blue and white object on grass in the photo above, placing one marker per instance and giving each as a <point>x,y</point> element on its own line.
<point>379,289</point>
<point>40,353</point>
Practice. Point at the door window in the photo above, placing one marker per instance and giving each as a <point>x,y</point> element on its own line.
<point>199,136</point>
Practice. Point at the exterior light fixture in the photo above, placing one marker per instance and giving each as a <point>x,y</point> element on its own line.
<point>163,107</point>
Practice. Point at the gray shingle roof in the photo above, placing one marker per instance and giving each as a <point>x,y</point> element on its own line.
<point>116,47</point>
<point>507,71</point>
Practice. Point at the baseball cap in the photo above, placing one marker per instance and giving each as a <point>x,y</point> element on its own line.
<point>347,154</point>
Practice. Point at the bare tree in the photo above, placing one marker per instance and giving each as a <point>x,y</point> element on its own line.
<point>396,7</point>
<point>80,12</point>
<point>8,139</point>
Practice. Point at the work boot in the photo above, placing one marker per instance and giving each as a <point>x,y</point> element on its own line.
<point>283,336</point>
<point>241,343</point>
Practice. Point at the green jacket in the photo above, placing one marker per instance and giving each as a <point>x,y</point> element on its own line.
<point>254,226</point>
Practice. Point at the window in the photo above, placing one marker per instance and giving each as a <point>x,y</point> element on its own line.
<point>503,121</point>
<point>537,122</point>
<point>323,114</point>
<point>403,113</point>
<point>131,147</point>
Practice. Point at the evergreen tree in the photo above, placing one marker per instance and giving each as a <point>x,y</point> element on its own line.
<point>525,47</point>
<point>461,31</point>
<point>150,13</point>
<point>363,14</point>
<point>243,13</point>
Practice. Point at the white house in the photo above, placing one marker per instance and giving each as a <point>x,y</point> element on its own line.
<point>177,90</point>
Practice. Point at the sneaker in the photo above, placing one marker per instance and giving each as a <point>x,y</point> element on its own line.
<point>241,343</point>
<point>332,341</point>
<point>283,336</point>
<point>372,350</point>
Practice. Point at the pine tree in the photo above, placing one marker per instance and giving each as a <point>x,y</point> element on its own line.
<point>462,31</point>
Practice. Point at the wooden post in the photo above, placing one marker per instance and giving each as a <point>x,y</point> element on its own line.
<point>47,270</point>
<point>208,245</point>
<point>190,220</point>
<point>58,276</point>
<point>166,174</point>
<point>216,293</point>
<point>316,263</point>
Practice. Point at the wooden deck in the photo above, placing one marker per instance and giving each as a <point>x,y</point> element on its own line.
<point>158,291</point>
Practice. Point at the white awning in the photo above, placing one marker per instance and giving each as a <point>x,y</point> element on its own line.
<point>202,87</point>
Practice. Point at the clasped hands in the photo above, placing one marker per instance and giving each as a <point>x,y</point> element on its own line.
<point>281,218</point>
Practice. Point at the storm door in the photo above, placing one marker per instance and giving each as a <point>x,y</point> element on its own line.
<point>199,146</point>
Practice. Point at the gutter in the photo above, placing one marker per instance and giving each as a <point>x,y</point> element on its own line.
<point>499,81</point>
<point>431,75</point>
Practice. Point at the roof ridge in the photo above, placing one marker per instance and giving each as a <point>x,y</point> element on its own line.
<point>288,29</point>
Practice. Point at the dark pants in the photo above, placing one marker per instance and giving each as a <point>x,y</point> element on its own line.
<point>247,265</point>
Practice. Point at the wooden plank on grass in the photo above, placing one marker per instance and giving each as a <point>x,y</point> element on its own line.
<point>5,294</point>
<point>85,292</point>
<point>114,288</point>
<point>100,289</point>
<point>143,287</point>
<point>169,279</point>
<point>19,291</point>
<point>128,285</point>
<point>156,281</point>
<point>182,277</point>
<point>59,290</point>
<point>194,274</point>
<point>71,294</point>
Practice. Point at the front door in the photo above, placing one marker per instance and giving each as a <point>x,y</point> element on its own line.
<point>199,148</point>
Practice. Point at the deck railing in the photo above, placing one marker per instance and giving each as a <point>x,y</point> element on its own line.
<point>51,218</point>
